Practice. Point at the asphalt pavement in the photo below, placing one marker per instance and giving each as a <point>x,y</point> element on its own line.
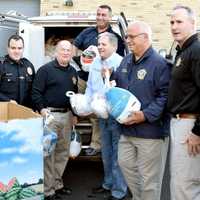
<point>83,175</point>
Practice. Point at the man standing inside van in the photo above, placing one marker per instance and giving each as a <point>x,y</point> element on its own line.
<point>89,36</point>
<point>86,38</point>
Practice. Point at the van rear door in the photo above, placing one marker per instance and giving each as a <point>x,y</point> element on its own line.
<point>34,43</point>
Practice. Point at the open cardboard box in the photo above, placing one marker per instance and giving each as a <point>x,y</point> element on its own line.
<point>21,153</point>
<point>10,111</point>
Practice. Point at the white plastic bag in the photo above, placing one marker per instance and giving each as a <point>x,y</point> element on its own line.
<point>79,103</point>
<point>75,144</point>
<point>49,141</point>
<point>99,106</point>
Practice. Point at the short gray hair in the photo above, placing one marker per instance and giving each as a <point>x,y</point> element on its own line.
<point>111,37</point>
<point>191,14</point>
<point>144,28</point>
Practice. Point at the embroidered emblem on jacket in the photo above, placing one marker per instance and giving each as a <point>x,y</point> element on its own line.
<point>141,74</point>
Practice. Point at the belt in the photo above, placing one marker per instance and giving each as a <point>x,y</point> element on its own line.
<point>62,110</point>
<point>185,116</point>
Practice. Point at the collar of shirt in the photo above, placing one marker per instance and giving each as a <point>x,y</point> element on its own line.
<point>109,29</point>
<point>11,61</point>
<point>147,53</point>
<point>187,43</point>
<point>113,61</point>
<point>57,65</point>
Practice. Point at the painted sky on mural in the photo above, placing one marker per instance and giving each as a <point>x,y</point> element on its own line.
<point>21,150</point>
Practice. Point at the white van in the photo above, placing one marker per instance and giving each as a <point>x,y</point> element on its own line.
<point>38,32</point>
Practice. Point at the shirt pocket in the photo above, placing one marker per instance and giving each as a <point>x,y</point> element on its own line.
<point>8,82</point>
<point>9,78</point>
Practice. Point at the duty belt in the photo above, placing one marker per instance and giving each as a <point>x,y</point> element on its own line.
<point>185,116</point>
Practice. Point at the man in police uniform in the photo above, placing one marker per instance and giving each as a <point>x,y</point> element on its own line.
<point>51,83</point>
<point>16,74</point>
<point>184,105</point>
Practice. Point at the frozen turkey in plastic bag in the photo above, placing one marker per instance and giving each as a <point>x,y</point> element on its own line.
<point>79,103</point>
<point>122,103</point>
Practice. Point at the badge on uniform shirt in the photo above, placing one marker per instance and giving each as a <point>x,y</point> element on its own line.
<point>141,74</point>
<point>178,62</point>
<point>29,71</point>
<point>74,81</point>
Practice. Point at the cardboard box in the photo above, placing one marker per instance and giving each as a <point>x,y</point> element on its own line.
<point>10,111</point>
<point>21,153</point>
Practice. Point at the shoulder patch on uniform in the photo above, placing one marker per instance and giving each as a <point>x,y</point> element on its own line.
<point>29,71</point>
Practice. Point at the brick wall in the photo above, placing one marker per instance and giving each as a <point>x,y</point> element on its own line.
<point>154,12</point>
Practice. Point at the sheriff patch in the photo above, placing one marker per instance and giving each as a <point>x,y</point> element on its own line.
<point>141,74</point>
<point>29,71</point>
<point>74,80</point>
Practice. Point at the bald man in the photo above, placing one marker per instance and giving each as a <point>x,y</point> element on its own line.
<point>51,83</point>
<point>143,143</point>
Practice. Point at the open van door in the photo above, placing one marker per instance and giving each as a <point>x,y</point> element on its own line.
<point>33,36</point>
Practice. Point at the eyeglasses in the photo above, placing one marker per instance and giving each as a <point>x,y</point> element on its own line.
<point>133,36</point>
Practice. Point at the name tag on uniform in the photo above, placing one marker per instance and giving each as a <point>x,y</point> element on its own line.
<point>124,70</point>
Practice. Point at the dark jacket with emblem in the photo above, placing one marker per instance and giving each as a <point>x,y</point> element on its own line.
<point>16,80</point>
<point>148,80</point>
<point>184,89</point>
<point>51,83</point>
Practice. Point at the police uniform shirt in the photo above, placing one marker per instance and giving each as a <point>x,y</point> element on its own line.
<point>51,83</point>
<point>16,80</point>
<point>184,89</point>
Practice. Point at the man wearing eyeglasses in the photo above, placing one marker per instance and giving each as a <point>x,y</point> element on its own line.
<point>144,142</point>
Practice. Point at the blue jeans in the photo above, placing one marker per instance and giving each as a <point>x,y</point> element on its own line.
<point>113,177</point>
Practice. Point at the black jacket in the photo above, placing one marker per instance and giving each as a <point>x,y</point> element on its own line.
<point>184,89</point>
<point>51,83</point>
<point>16,80</point>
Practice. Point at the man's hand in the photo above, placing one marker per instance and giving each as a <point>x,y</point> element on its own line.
<point>136,118</point>
<point>44,112</point>
<point>74,120</point>
<point>193,144</point>
<point>106,71</point>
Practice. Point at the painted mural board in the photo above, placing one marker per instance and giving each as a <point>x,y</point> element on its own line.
<point>21,153</point>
